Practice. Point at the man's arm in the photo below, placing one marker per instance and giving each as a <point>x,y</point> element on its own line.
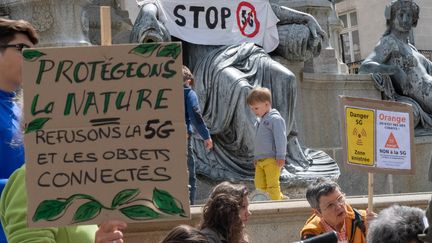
<point>197,120</point>
<point>13,213</point>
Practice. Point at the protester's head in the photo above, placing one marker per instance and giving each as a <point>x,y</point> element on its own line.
<point>327,201</point>
<point>259,100</point>
<point>185,234</point>
<point>14,36</point>
<point>227,210</point>
<point>397,224</point>
<point>402,15</point>
<point>10,28</point>
<point>427,236</point>
<point>188,78</point>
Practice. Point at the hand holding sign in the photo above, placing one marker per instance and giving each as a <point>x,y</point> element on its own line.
<point>110,231</point>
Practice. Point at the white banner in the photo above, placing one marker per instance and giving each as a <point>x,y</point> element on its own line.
<point>221,22</point>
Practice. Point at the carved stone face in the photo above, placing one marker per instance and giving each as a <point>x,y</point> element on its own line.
<point>403,19</point>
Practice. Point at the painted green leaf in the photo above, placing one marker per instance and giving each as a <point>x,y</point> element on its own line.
<point>87,211</point>
<point>50,210</point>
<point>145,50</point>
<point>36,124</point>
<point>139,212</point>
<point>166,203</point>
<point>171,50</point>
<point>124,197</point>
<point>32,55</point>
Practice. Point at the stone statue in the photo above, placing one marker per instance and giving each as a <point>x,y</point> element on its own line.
<point>223,77</point>
<point>400,71</point>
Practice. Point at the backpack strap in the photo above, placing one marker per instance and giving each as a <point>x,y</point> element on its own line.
<point>357,222</point>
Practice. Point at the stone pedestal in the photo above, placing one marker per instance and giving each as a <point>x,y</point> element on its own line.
<point>326,62</point>
<point>57,22</point>
<point>319,123</point>
<point>68,23</point>
<point>294,190</point>
<point>319,116</point>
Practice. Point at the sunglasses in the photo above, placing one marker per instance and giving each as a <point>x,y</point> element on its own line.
<point>18,46</point>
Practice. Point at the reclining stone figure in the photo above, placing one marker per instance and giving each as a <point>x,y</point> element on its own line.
<point>400,71</point>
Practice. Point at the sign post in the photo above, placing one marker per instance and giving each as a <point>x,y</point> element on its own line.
<point>378,136</point>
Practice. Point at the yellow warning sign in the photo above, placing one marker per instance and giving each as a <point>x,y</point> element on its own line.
<point>360,135</point>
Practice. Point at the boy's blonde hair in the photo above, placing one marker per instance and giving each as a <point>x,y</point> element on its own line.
<point>187,75</point>
<point>259,95</point>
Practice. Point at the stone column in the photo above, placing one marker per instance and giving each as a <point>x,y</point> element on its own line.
<point>335,28</point>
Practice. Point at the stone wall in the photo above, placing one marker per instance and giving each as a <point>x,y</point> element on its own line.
<point>270,221</point>
<point>319,122</point>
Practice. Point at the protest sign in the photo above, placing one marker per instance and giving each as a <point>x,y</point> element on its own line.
<point>105,135</point>
<point>224,22</point>
<point>378,136</point>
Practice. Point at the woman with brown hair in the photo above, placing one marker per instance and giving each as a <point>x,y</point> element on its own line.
<point>226,213</point>
<point>185,234</point>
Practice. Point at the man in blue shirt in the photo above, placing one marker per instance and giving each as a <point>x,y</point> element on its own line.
<point>193,118</point>
<point>14,36</point>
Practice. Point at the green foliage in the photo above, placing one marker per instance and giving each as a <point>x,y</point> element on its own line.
<point>171,50</point>
<point>36,124</point>
<point>166,203</point>
<point>163,201</point>
<point>124,197</point>
<point>145,50</point>
<point>139,212</point>
<point>163,50</point>
<point>87,211</point>
<point>50,210</point>
<point>32,55</point>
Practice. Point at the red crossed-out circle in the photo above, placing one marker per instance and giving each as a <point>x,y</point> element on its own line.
<point>252,12</point>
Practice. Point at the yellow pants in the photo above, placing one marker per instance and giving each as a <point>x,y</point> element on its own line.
<point>267,174</point>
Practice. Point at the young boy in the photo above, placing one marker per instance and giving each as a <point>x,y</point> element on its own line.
<point>270,143</point>
<point>193,117</point>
